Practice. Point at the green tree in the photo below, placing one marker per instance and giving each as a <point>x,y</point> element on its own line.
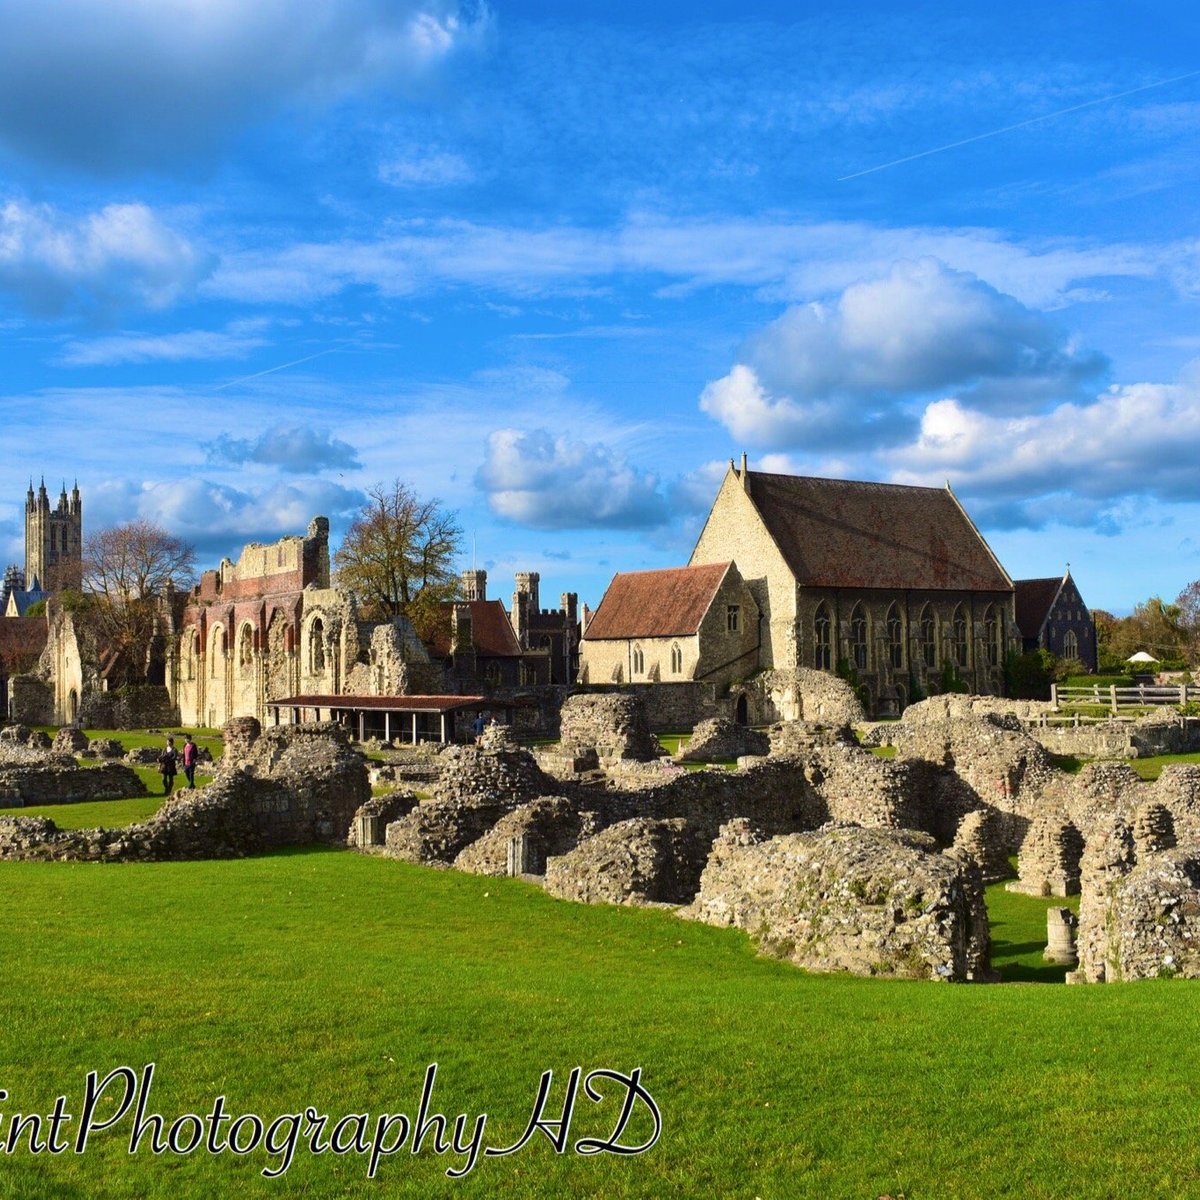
<point>399,556</point>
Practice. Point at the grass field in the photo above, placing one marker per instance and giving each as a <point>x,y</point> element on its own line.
<point>330,979</point>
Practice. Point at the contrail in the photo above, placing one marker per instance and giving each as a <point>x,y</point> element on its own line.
<point>281,367</point>
<point>1062,112</point>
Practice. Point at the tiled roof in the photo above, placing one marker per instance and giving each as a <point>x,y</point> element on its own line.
<point>1035,598</point>
<point>491,631</point>
<point>843,533</point>
<point>383,703</point>
<point>668,603</point>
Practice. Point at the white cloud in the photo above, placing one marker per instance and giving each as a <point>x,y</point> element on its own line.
<point>436,169</point>
<point>193,344</point>
<point>546,482</point>
<point>843,373</point>
<point>122,255</point>
<point>298,449</point>
<point>213,516</point>
<point>1076,464</point>
<point>113,84</point>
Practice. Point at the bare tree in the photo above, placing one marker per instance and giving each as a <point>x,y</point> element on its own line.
<point>398,556</point>
<point>126,569</point>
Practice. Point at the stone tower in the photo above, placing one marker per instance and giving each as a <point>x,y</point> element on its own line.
<point>525,605</point>
<point>474,585</point>
<point>53,539</point>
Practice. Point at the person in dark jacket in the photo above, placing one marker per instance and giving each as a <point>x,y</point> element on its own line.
<point>190,754</point>
<point>168,763</point>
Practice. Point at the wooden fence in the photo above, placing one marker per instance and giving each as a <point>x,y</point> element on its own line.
<point>1118,698</point>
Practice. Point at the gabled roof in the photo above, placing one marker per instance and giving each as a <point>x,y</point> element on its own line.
<point>491,631</point>
<point>845,533</point>
<point>1035,599</point>
<point>669,603</point>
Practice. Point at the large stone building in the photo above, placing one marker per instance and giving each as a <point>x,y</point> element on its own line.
<point>684,624</point>
<point>890,583</point>
<point>270,626</point>
<point>53,540</point>
<point>1051,615</point>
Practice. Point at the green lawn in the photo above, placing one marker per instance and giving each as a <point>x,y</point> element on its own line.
<point>330,979</point>
<point>1151,768</point>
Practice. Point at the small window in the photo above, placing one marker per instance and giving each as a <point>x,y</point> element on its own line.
<point>1070,645</point>
<point>639,661</point>
<point>823,640</point>
<point>733,618</point>
<point>676,660</point>
<point>991,636</point>
<point>858,638</point>
<point>959,636</point>
<point>895,638</point>
<point>928,638</point>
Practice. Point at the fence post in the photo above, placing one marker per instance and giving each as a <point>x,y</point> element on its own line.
<point>1054,696</point>
<point>1112,697</point>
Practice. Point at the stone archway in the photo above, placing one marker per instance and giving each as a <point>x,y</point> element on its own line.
<point>741,710</point>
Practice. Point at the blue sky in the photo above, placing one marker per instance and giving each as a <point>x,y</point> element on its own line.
<point>557,264</point>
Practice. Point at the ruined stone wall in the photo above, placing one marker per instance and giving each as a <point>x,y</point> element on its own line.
<point>672,707</point>
<point>147,707</point>
<point>615,726</point>
<point>717,739</point>
<point>58,779</point>
<point>804,694</point>
<point>844,898</point>
<point>30,700</point>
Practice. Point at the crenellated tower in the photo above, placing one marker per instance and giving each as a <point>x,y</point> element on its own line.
<point>53,539</point>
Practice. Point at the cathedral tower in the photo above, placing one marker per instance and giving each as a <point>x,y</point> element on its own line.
<point>53,539</point>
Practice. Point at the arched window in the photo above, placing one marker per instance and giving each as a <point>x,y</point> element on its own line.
<point>858,637</point>
<point>676,660</point>
<point>316,647</point>
<point>895,637</point>
<point>1070,644</point>
<point>190,650</point>
<point>958,636</point>
<point>991,636</point>
<point>928,637</point>
<point>218,649</point>
<point>639,662</point>
<point>822,639</point>
<point>245,646</point>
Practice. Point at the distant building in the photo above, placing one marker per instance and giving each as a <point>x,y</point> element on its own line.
<point>890,582</point>
<point>1051,614</point>
<point>683,624</point>
<point>53,540</point>
<point>16,599</point>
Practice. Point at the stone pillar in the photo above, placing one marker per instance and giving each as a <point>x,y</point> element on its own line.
<point>1061,924</point>
<point>239,734</point>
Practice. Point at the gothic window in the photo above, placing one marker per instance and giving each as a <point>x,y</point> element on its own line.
<point>246,646</point>
<point>189,655</point>
<point>928,638</point>
<point>1070,644</point>
<point>676,660</point>
<point>316,647</point>
<point>991,636</point>
<point>958,636</point>
<point>823,639</point>
<point>895,637</point>
<point>733,618</point>
<point>639,662</point>
<point>218,650</point>
<point>858,637</point>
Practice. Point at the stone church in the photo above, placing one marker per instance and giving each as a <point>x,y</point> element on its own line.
<point>891,584</point>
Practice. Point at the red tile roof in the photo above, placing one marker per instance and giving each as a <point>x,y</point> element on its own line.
<point>390,703</point>
<point>668,603</point>
<point>492,632</point>
<point>1035,599</point>
<point>844,533</point>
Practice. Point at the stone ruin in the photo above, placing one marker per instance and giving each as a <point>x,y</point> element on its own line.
<point>289,785</point>
<point>33,774</point>
<point>1139,906</point>
<point>845,898</point>
<point>718,739</point>
<point>609,727</point>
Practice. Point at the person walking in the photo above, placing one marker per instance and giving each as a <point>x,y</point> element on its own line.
<point>168,762</point>
<point>190,754</point>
